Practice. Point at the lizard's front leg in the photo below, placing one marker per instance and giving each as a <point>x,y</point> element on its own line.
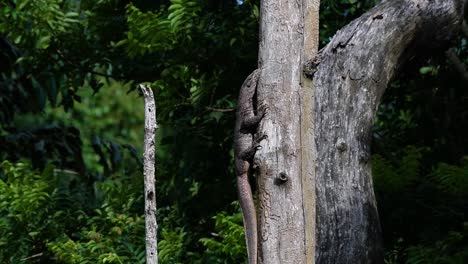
<point>250,124</point>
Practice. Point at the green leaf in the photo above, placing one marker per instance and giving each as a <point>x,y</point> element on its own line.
<point>426,70</point>
<point>17,40</point>
<point>232,41</point>
<point>72,14</point>
<point>216,115</point>
<point>23,4</point>
<point>43,42</point>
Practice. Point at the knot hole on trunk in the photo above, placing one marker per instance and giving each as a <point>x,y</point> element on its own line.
<point>150,196</point>
<point>281,179</point>
<point>341,145</point>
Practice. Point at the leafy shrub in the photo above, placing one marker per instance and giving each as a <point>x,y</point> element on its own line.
<point>48,217</point>
<point>25,205</point>
<point>421,209</point>
<point>227,245</point>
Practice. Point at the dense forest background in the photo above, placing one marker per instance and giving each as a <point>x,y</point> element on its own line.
<point>71,133</point>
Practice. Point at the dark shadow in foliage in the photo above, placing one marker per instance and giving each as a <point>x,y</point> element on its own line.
<point>45,144</point>
<point>16,87</point>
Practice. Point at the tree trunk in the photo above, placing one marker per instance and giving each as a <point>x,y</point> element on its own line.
<point>149,150</point>
<point>286,200</point>
<point>320,129</point>
<point>355,69</point>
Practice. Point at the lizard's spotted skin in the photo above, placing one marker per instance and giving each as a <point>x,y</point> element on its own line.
<point>245,147</point>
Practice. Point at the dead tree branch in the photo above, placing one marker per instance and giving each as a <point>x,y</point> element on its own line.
<point>149,175</point>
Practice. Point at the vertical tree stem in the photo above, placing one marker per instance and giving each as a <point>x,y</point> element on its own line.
<point>149,149</point>
<point>286,162</point>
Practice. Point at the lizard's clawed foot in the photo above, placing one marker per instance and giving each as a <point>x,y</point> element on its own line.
<point>249,153</point>
<point>260,137</point>
<point>250,125</point>
<point>262,109</point>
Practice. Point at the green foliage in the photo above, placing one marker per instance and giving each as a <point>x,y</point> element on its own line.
<point>171,245</point>
<point>138,41</point>
<point>337,13</point>
<point>86,204</point>
<point>228,243</point>
<point>22,194</point>
<point>451,250</point>
<point>34,24</point>
<point>419,206</point>
<point>390,179</point>
<point>43,215</point>
<point>453,180</point>
<point>112,235</point>
<point>158,32</point>
<point>40,62</point>
<point>24,207</point>
<point>108,146</point>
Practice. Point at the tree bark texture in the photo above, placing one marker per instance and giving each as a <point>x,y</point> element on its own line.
<point>149,149</point>
<point>286,199</point>
<point>354,71</point>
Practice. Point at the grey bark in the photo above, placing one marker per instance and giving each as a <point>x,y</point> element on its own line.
<point>286,200</point>
<point>355,69</point>
<point>149,149</point>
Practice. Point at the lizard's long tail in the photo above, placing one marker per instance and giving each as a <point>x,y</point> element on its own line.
<point>250,217</point>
